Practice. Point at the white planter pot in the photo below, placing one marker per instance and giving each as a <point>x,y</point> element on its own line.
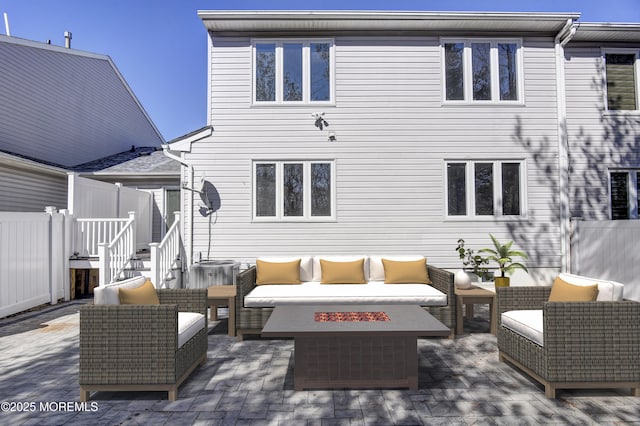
<point>462,280</point>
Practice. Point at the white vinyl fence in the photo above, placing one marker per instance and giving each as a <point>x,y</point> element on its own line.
<point>608,249</point>
<point>91,199</point>
<point>33,269</point>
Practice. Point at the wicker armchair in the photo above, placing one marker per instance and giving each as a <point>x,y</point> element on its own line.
<point>135,347</point>
<point>252,320</point>
<point>586,344</point>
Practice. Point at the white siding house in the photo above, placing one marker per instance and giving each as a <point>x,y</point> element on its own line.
<point>434,127</point>
<point>603,120</point>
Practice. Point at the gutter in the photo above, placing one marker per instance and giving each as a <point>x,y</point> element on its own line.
<point>183,144</point>
<point>167,152</point>
<point>562,38</point>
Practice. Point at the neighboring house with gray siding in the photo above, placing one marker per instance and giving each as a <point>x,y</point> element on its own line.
<point>60,108</point>
<point>383,132</point>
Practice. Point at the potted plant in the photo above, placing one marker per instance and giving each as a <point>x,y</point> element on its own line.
<point>472,261</point>
<point>503,256</point>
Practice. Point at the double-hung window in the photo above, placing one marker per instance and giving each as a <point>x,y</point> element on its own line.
<point>478,70</point>
<point>622,75</point>
<point>477,189</point>
<point>292,71</point>
<point>293,190</point>
<point>624,192</point>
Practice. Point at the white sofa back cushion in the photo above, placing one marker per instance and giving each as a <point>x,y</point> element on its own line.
<point>376,267</point>
<point>527,323</point>
<point>108,294</point>
<point>306,264</point>
<point>608,291</point>
<point>317,269</point>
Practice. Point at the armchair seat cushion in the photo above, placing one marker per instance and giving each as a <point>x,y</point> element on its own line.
<point>527,323</point>
<point>189,323</point>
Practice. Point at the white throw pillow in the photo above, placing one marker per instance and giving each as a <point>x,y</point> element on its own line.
<point>108,294</point>
<point>608,291</point>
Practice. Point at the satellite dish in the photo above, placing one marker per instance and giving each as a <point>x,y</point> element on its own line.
<point>210,198</point>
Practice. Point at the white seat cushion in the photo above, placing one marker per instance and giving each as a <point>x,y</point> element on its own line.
<point>108,294</point>
<point>372,293</point>
<point>527,323</point>
<point>189,323</point>
<point>306,264</point>
<point>376,267</point>
<point>608,291</point>
<point>317,269</point>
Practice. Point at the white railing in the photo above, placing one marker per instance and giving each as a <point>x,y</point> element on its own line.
<point>165,256</point>
<point>114,256</point>
<point>89,233</point>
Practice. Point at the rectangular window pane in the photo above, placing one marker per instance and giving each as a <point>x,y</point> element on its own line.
<point>320,189</point>
<point>292,73</point>
<point>508,71</point>
<point>265,72</point>
<point>481,67</point>
<point>320,71</point>
<point>265,190</point>
<point>621,84</point>
<point>293,192</point>
<point>510,189</point>
<point>619,196</point>
<point>454,71</point>
<point>484,188</point>
<point>456,189</point>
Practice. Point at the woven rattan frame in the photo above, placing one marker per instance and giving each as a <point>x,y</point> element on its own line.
<point>252,320</point>
<point>586,344</point>
<point>135,347</point>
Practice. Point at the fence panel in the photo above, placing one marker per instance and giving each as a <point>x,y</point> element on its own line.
<point>133,200</point>
<point>25,262</point>
<point>608,249</point>
<point>91,198</point>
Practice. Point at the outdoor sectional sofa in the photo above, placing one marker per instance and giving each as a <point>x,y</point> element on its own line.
<point>137,347</point>
<point>254,303</point>
<point>571,344</point>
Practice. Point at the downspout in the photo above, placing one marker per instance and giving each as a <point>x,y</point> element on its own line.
<point>189,166</point>
<point>564,36</point>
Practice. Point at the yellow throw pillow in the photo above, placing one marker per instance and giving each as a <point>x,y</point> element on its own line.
<point>143,295</point>
<point>405,272</point>
<point>342,272</point>
<point>278,272</point>
<point>562,291</point>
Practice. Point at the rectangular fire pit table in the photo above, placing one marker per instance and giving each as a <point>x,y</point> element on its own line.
<point>354,346</point>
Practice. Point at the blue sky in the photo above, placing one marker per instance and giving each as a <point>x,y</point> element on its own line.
<point>160,46</point>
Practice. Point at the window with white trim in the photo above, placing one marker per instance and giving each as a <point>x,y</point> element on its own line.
<point>622,70</point>
<point>478,70</point>
<point>293,190</point>
<point>624,192</point>
<point>484,188</point>
<point>292,71</point>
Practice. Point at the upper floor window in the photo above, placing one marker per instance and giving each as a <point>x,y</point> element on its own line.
<point>482,70</point>
<point>622,74</point>
<point>485,188</point>
<point>624,194</point>
<point>293,190</point>
<point>292,71</point>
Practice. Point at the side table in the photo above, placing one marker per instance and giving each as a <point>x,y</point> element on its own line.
<point>223,295</point>
<point>471,296</point>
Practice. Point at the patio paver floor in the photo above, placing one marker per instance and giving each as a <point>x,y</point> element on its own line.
<point>251,383</point>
